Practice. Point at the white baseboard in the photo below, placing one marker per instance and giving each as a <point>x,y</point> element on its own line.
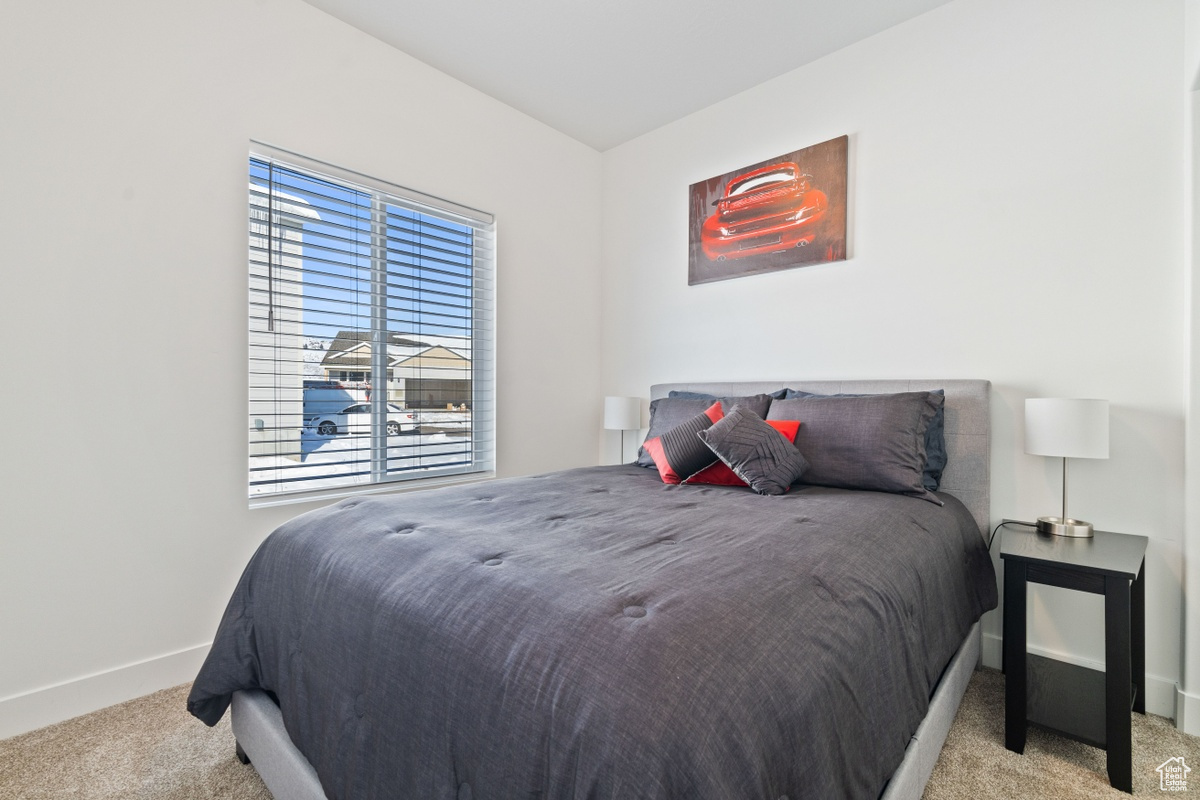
<point>1187,712</point>
<point>993,651</point>
<point>36,709</point>
<point>1160,692</point>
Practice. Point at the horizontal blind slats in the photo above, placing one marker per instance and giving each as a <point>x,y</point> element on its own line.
<point>312,245</point>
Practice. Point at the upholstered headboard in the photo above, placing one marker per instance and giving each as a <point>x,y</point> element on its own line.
<point>968,425</point>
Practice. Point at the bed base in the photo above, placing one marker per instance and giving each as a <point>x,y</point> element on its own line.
<point>909,779</point>
<point>263,742</point>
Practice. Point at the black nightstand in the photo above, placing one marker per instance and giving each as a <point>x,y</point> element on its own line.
<point>1082,703</point>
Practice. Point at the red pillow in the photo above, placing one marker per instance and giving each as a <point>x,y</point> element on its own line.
<point>684,450</point>
<point>720,474</point>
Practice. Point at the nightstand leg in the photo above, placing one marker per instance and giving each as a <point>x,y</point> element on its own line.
<point>1014,656</point>
<point>1137,636</point>
<point>1118,678</point>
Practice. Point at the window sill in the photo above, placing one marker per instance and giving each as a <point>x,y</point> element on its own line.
<point>396,487</point>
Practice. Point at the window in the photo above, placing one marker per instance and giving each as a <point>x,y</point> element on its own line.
<point>371,317</point>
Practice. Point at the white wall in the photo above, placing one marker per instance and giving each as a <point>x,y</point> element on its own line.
<point>1188,699</point>
<point>124,132</point>
<point>1016,185</point>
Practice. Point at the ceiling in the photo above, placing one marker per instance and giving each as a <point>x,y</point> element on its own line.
<point>607,71</point>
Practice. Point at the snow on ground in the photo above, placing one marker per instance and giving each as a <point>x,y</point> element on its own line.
<point>329,462</point>
<point>444,420</point>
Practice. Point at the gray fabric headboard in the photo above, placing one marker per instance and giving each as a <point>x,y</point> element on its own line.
<point>968,425</point>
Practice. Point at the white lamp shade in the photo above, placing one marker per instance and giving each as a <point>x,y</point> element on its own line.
<point>1068,428</point>
<point>622,413</point>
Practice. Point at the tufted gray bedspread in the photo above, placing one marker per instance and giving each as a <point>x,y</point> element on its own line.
<point>596,633</point>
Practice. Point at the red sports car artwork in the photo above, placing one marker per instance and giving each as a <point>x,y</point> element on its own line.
<point>774,214</point>
<point>767,210</point>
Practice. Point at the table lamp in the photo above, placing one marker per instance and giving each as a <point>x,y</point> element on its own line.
<point>1066,428</point>
<point>622,414</point>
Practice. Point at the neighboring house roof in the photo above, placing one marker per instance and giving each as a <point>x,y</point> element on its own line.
<point>345,340</point>
<point>352,349</point>
<point>358,356</point>
<point>435,363</point>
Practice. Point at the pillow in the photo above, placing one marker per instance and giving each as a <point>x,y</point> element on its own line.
<point>935,438</point>
<point>755,451</point>
<point>679,452</point>
<point>935,446</point>
<point>778,394</point>
<point>667,412</point>
<point>873,442</point>
<point>719,474</point>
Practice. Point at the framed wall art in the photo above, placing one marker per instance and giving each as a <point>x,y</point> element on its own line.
<point>784,212</point>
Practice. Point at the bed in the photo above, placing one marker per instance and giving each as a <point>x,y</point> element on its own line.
<point>599,633</point>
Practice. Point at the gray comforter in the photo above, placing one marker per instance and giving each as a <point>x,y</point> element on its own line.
<point>598,634</point>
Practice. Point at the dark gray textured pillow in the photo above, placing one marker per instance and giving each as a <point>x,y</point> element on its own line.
<point>935,437</point>
<point>668,412</point>
<point>874,442</point>
<point>679,452</point>
<point>755,451</point>
<point>778,394</point>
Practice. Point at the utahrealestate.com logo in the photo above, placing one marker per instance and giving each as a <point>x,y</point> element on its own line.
<point>1172,775</point>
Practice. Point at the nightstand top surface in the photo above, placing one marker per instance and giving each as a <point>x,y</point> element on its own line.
<point>1106,552</point>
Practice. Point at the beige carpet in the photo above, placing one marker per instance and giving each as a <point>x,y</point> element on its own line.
<point>147,748</point>
<point>151,748</point>
<point>974,762</point>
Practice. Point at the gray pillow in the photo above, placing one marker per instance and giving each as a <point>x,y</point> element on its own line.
<point>935,438</point>
<point>778,394</point>
<point>873,442</point>
<point>668,412</point>
<point>755,451</point>
<point>679,452</point>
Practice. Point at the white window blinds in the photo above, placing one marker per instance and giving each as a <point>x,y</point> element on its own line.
<point>371,322</point>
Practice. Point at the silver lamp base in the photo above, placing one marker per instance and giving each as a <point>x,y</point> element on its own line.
<point>1058,526</point>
